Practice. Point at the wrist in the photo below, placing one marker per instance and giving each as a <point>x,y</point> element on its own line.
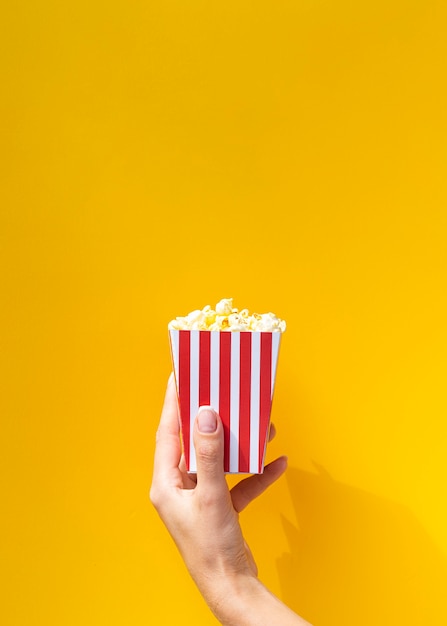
<point>231,599</point>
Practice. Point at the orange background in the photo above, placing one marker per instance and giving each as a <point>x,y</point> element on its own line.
<point>156,157</point>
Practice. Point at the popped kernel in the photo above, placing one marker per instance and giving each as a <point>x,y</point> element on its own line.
<point>226,317</point>
<point>224,307</point>
<point>195,317</point>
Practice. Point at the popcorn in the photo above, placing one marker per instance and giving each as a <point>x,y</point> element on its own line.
<point>225,317</point>
<point>233,370</point>
<point>225,306</point>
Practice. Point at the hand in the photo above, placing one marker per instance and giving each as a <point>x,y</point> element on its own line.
<point>199,511</point>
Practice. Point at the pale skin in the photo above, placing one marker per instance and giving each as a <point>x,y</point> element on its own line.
<point>202,516</point>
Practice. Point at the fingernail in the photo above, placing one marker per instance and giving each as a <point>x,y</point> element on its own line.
<point>206,420</point>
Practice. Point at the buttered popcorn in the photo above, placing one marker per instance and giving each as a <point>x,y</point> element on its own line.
<point>228,318</point>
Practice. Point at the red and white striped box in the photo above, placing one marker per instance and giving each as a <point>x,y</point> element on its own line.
<point>234,372</point>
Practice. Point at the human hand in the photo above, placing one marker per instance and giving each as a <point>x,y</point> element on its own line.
<point>199,511</point>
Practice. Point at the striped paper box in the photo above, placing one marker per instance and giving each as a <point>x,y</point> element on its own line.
<point>234,372</point>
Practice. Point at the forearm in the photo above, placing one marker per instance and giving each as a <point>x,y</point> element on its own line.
<point>245,601</point>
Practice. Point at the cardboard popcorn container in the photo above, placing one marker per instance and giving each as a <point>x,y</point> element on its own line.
<point>234,372</point>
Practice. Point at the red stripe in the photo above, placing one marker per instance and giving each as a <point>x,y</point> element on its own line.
<point>184,386</point>
<point>265,392</point>
<point>244,402</point>
<point>204,367</point>
<point>224,392</point>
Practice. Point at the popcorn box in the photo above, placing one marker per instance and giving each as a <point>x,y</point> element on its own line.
<point>234,372</point>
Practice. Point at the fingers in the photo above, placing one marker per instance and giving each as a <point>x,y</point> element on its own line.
<point>272,432</point>
<point>168,448</point>
<point>250,488</point>
<point>208,443</point>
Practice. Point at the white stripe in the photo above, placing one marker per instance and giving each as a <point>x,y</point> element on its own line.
<point>234,402</point>
<point>254,401</point>
<point>194,395</point>
<point>174,335</point>
<point>214,369</point>
<point>275,350</point>
<point>276,337</point>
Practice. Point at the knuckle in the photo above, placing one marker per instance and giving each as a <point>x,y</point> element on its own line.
<point>209,499</point>
<point>206,451</point>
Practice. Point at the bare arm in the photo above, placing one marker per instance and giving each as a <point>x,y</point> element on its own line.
<point>250,603</point>
<point>201,515</point>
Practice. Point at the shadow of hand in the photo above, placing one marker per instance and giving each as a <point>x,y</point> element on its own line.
<point>357,559</point>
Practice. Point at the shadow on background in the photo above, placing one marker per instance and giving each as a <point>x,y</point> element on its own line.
<point>357,559</point>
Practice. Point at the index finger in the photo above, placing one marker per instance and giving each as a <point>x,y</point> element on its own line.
<point>168,448</point>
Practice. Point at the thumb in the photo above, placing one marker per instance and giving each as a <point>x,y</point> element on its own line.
<point>209,444</point>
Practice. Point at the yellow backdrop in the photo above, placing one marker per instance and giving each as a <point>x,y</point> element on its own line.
<point>156,157</point>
